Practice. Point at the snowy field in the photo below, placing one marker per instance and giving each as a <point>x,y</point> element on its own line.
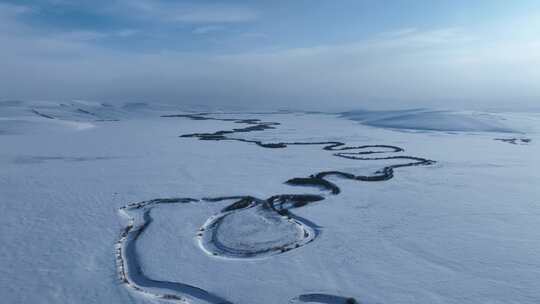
<point>109,204</point>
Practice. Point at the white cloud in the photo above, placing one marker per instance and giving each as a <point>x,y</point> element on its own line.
<point>196,13</point>
<point>92,36</point>
<point>126,32</point>
<point>202,30</point>
<point>213,14</point>
<point>399,32</point>
<point>12,10</point>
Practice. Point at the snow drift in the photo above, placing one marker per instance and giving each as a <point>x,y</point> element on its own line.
<point>429,120</point>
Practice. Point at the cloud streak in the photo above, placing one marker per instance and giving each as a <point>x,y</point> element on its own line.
<point>203,30</point>
<point>183,13</point>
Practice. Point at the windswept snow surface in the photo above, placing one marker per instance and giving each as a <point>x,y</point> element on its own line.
<point>127,193</point>
<point>440,120</point>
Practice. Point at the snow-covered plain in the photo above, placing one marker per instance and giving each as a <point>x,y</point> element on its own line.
<point>465,229</point>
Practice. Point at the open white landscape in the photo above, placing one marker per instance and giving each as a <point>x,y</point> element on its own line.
<point>269,152</point>
<point>109,203</point>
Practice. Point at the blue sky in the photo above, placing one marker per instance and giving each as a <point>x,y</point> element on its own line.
<point>353,54</point>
